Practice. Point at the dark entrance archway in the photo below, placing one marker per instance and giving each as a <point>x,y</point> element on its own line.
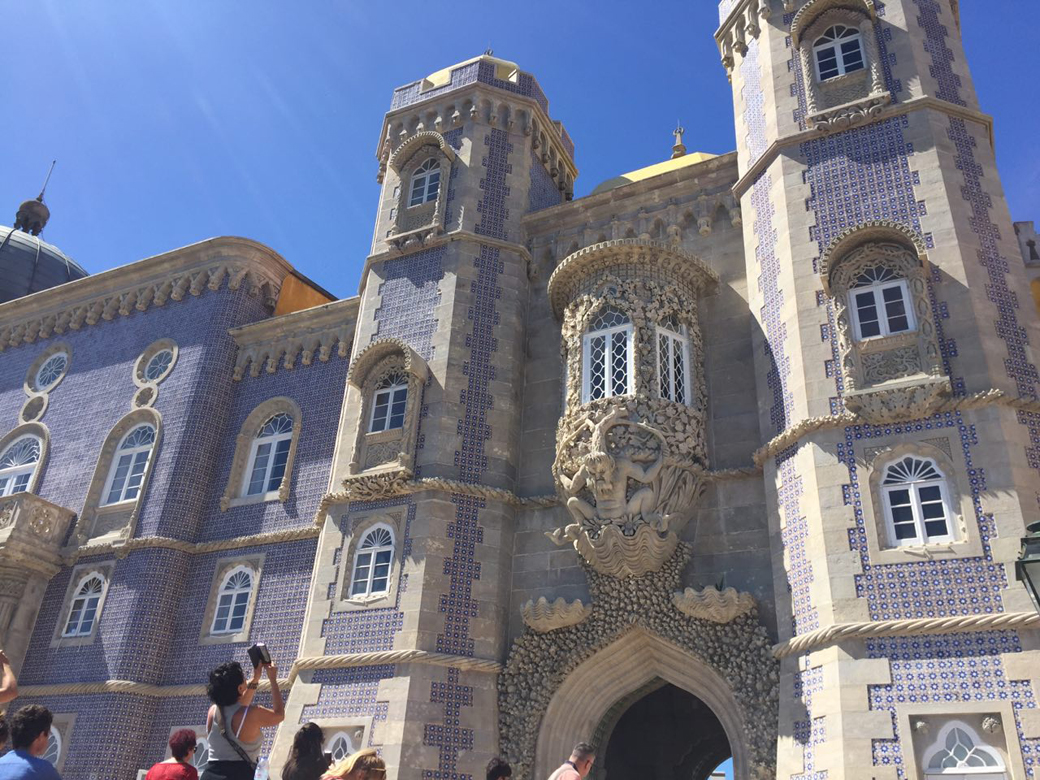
<point>660,732</point>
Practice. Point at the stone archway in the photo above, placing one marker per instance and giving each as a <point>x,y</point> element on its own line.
<point>584,701</point>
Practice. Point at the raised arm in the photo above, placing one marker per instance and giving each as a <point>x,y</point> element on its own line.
<point>8,683</point>
<point>259,717</point>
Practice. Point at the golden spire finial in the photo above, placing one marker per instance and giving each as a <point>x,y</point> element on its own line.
<point>678,150</point>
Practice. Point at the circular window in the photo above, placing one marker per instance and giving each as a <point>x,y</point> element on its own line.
<point>52,370</point>
<point>159,365</point>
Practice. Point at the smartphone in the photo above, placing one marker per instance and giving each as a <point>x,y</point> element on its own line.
<point>259,654</point>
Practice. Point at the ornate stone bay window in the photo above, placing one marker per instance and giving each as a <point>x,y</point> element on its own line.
<point>877,279</point>
<point>630,452</point>
<point>423,165</point>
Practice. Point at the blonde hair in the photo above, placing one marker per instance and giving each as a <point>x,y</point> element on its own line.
<point>363,760</point>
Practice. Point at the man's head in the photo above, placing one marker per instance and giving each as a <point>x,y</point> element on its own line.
<point>498,769</point>
<point>31,728</point>
<point>583,757</point>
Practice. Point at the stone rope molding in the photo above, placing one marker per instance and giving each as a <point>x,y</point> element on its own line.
<point>305,664</point>
<point>991,397</point>
<point>194,548</point>
<point>956,624</point>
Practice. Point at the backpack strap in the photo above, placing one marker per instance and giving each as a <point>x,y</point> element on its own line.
<point>231,740</point>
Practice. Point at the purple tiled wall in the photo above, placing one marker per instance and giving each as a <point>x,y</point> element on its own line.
<point>543,192</point>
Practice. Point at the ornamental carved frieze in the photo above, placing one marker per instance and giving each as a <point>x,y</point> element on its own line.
<point>543,615</point>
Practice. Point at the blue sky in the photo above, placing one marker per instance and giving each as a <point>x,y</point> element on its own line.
<point>176,120</point>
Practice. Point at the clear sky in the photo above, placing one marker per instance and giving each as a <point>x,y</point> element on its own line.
<point>176,120</point>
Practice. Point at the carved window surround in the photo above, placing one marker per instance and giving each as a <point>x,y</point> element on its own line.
<point>354,527</point>
<point>992,720</point>
<point>79,575</point>
<point>255,563</point>
<point>116,522</point>
<point>394,449</point>
<point>43,434</point>
<point>418,223</point>
<point>234,491</point>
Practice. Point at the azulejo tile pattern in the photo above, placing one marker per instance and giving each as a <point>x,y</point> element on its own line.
<point>409,295</point>
<point>544,192</point>
<point>349,692</point>
<point>449,737</point>
<point>811,732</point>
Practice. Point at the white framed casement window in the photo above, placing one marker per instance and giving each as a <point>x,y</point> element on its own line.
<point>85,610</point>
<point>607,357</point>
<point>673,361</point>
<point>233,598</point>
<point>129,465</point>
<point>838,51</point>
<point>53,369</point>
<point>958,753</point>
<point>339,746</point>
<point>269,456</point>
<point>372,563</point>
<point>426,183</point>
<point>880,304</point>
<point>916,502</point>
<point>158,365</point>
<point>18,464</point>
<point>389,402</point>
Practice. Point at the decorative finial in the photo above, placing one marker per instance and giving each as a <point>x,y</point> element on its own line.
<point>32,215</point>
<point>678,150</point>
<point>489,52</point>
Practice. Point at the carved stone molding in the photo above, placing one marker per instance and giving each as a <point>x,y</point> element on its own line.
<point>912,401</point>
<point>814,9</point>
<point>542,616</point>
<point>718,606</point>
<point>31,531</point>
<point>863,233</point>
<point>413,144</point>
<point>843,117</point>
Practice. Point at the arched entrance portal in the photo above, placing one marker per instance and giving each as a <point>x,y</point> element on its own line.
<point>661,732</point>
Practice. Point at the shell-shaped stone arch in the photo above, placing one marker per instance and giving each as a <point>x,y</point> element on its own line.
<point>412,145</point>
<point>377,351</point>
<point>814,9</point>
<point>869,232</point>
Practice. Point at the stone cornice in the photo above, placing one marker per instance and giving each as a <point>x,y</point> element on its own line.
<point>924,103</point>
<point>139,286</point>
<point>277,342</point>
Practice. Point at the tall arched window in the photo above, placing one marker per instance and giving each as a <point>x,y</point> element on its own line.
<point>86,603</point>
<point>233,601</point>
<point>18,464</point>
<point>880,302</point>
<point>389,402</point>
<point>959,753</point>
<point>129,465</point>
<point>372,562</point>
<point>916,503</point>
<point>339,746</point>
<point>673,361</point>
<point>607,357</point>
<point>426,183</point>
<point>838,51</point>
<point>269,455</point>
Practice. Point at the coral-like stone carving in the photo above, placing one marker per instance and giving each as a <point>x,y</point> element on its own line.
<point>909,401</point>
<point>843,117</point>
<point>718,606</point>
<point>544,616</point>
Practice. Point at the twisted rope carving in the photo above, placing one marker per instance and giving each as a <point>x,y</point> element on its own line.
<point>196,548</point>
<point>1005,621</point>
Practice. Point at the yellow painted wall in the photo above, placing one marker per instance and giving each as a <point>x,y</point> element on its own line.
<point>297,294</point>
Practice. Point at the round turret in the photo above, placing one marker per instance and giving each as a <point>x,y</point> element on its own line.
<point>27,263</point>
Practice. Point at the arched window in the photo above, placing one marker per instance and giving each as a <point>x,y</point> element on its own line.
<point>269,455</point>
<point>339,746</point>
<point>607,357</point>
<point>233,601</point>
<point>915,500</point>
<point>673,360</point>
<point>17,465</point>
<point>86,603</point>
<point>158,365</point>
<point>53,752</point>
<point>958,752</point>
<point>51,371</point>
<point>426,183</point>
<point>371,575</point>
<point>388,403</point>
<point>129,465</point>
<point>838,51</point>
<point>880,302</point>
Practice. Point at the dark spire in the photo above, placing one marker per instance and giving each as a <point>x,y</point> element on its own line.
<point>32,215</point>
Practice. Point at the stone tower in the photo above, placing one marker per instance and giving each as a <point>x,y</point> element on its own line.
<point>900,385</point>
<point>463,155</point>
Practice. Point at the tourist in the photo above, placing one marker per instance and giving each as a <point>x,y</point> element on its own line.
<point>307,761</point>
<point>576,767</point>
<point>363,765</point>
<point>233,724</point>
<point>30,733</point>
<point>8,683</point>
<point>499,769</point>
<point>179,766</point>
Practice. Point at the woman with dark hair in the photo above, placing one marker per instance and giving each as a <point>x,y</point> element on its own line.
<point>306,761</point>
<point>179,766</point>
<point>233,724</point>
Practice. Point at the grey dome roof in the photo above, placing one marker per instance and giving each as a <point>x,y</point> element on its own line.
<point>28,265</point>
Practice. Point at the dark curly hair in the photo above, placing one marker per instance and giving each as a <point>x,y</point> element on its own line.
<point>28,723</point>
<point>498,769</point>
<point>222,688</point>
<point>5,731</point>
<point>182,742</point>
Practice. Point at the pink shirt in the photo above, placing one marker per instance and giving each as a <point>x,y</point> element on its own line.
<point>565,772</point>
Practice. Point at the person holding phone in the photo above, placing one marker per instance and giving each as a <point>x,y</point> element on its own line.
<point>307,761</point>
<point>234,724</point>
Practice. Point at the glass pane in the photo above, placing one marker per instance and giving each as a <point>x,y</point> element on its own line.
<point>281,457</point>
<point>379,585</point>
<point>133,481</point>
<point>256,478</point>
<point>929,493</point>
<point>663,365</point>
<point>21,483</point>
<point>867,315</point>
<point>597,367</point>
<point>679,369</point>
<point>936,528</point>
<point>902,514</point>
<point>905,531</point>
<point>115,493</point>
<point>619,364</point>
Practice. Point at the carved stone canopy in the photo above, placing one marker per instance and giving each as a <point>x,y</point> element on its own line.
<point>404,152</point>
<point>374,353</point>
<point>812,11</point>
<point>875,231</point>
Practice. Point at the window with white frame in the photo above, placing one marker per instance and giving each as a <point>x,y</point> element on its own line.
<point>371,576</point>
<point>426,183</point>
<point>48,374</point>
<point>236,589</point>
<point>18,464</point>
<point>959,753</point>
<point>52,754</point>
<point>673,360</point>
<point>269,455</point>
<point>880,302</point>
<point>388,403</point>
<point>607,357</point>
<point>86,603</point>
<point>916,503</point>
<point>339,746</point>
<point>129,465</point>
<point>838,51</point>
